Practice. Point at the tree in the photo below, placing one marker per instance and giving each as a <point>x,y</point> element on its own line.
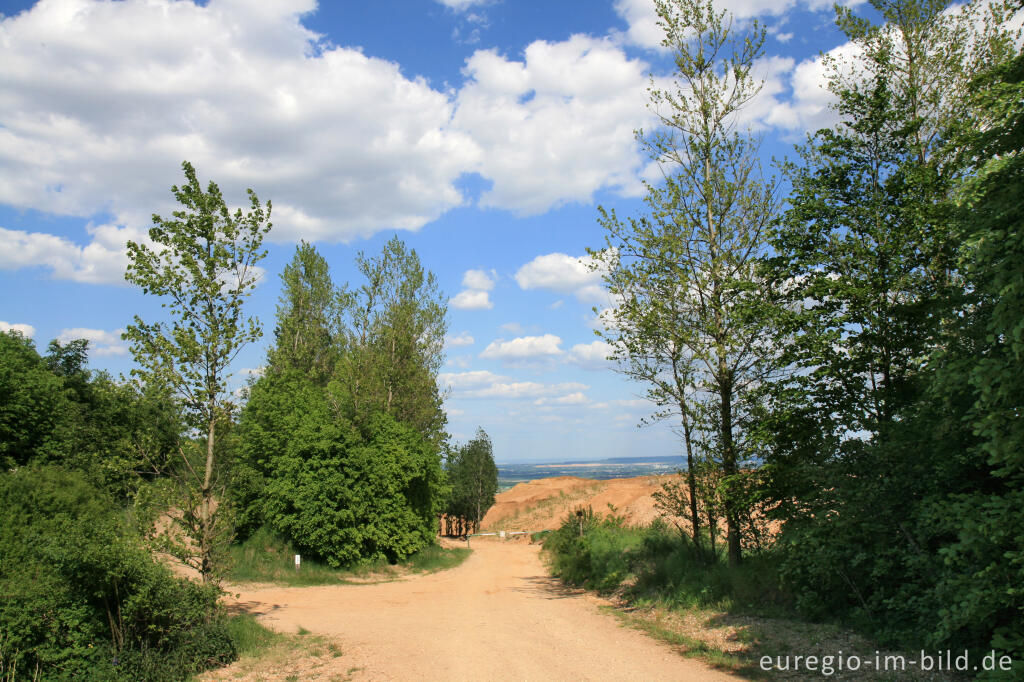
<point>32,403</point>
<point>308,335</point>
<point>338,445</point>
<point>705,232</point>
<point>394,342</point>
<point>473,476</point>
<point>864,453</point>
<point>203,262</point>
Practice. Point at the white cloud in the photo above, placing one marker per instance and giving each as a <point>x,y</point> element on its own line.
<point>462,380</point>
<point>591,355</point>
<point>101,102</point>
<point>484,384</point>
<point>101,342</point>
<point>513,328</point>
<point>576,398</point>
<point>783,37</point>
<point>643,29</point>
<point>557,126</point>
<point>471,300</point>
<point>102,261</point>
<point>26,330</point>
<point>463,339</point>
<point>523,389</point>
<point>475,296</point>
<point>524,348</point>
<point>480,280</point>
<point>460,5</point>
<point>564,274</point>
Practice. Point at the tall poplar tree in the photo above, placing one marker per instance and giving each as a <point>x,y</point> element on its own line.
<point>203,265</point>
<point>705,233</point>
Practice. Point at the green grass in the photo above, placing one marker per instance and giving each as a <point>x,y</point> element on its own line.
<point>266,558</point>
<point>252,639</point>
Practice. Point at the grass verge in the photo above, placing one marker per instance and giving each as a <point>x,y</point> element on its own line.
<point>264,654</point>
<point>265,558</point>
<point>729,617</point>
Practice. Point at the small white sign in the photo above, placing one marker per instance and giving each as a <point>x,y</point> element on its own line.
<point>298,560</point>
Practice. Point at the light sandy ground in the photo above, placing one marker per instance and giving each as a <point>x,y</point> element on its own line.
<point>498,616</point>
<point>545,502</point>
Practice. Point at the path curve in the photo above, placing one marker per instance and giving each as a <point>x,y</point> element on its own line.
<point>498,616</point>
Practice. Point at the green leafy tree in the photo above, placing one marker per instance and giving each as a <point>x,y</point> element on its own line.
<point>32,402</point>
<point>395,324</point>
<point>862,450</point>
<point>338,443</point>
<point>473,477</point>
<point>704,235</point>
<point>84,599</point>
<point>308,334</point>
<point>203,263</point>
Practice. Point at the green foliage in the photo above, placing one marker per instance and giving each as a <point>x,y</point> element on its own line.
<point>202,262</point>
<point>656,563</point>
<point>886,444</point>
<point>338,492</point>
<point>31,402</point>
<point>54,410</point>
<point>338,446</point>
<point>394,327</point>
<point>267,557</point>
<point>84,600</point>
<point>685,273</point>
<point>473,478</point>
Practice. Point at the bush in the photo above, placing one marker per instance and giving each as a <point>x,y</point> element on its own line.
<point>83,599</point>
<point>657,562</point>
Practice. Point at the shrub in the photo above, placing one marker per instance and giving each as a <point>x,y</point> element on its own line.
<point>83,599</point>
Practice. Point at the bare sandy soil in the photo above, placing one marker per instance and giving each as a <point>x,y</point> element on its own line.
<point>498,616</point>
<point>544,503</point>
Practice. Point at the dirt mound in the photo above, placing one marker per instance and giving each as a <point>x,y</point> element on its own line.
<point>544,503</point>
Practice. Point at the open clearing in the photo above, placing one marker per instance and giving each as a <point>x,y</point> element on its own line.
<point>498,616</point>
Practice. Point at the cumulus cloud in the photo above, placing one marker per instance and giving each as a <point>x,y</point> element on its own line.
<point>524,348</point>
<point>523,389</point>
<point>481,280</point>
<point>563,274</point>
<point>460,5</point>
<point>475,296</point>
<point>462,380</point>
<point>102,261</point>
<point>101,342</point>
<point>463,339</point>
<point>577,398</point>
<point>484,384</point>
<point>591,355</point>
<point>642,20</point>
<point>558,125</point>
<point>471,300</point>
<point>26,330</point>
<point>102,101</point>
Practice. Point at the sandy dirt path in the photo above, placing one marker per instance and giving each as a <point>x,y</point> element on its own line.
<point>498,616</point>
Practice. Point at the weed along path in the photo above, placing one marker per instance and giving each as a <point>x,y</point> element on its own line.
<point>498,616</point>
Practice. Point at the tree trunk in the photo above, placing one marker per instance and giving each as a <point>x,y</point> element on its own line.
<point>206,513</point>
<point>729,469</point>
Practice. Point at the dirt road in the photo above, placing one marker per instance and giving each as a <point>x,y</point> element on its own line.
<point>498,616</point>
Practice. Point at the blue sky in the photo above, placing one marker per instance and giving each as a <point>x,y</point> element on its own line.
<point>485,134</point>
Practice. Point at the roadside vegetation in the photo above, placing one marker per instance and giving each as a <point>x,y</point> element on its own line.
<point>267,558</point>
<point>843,364</point>
<point>335,452</point>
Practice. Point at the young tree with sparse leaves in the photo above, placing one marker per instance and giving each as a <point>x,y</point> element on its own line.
<point>202,263</point>
<point>705,233</point>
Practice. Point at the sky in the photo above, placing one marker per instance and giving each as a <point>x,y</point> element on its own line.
<point>484,133</point>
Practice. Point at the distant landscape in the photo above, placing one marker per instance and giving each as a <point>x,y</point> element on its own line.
<point>510,474</point>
